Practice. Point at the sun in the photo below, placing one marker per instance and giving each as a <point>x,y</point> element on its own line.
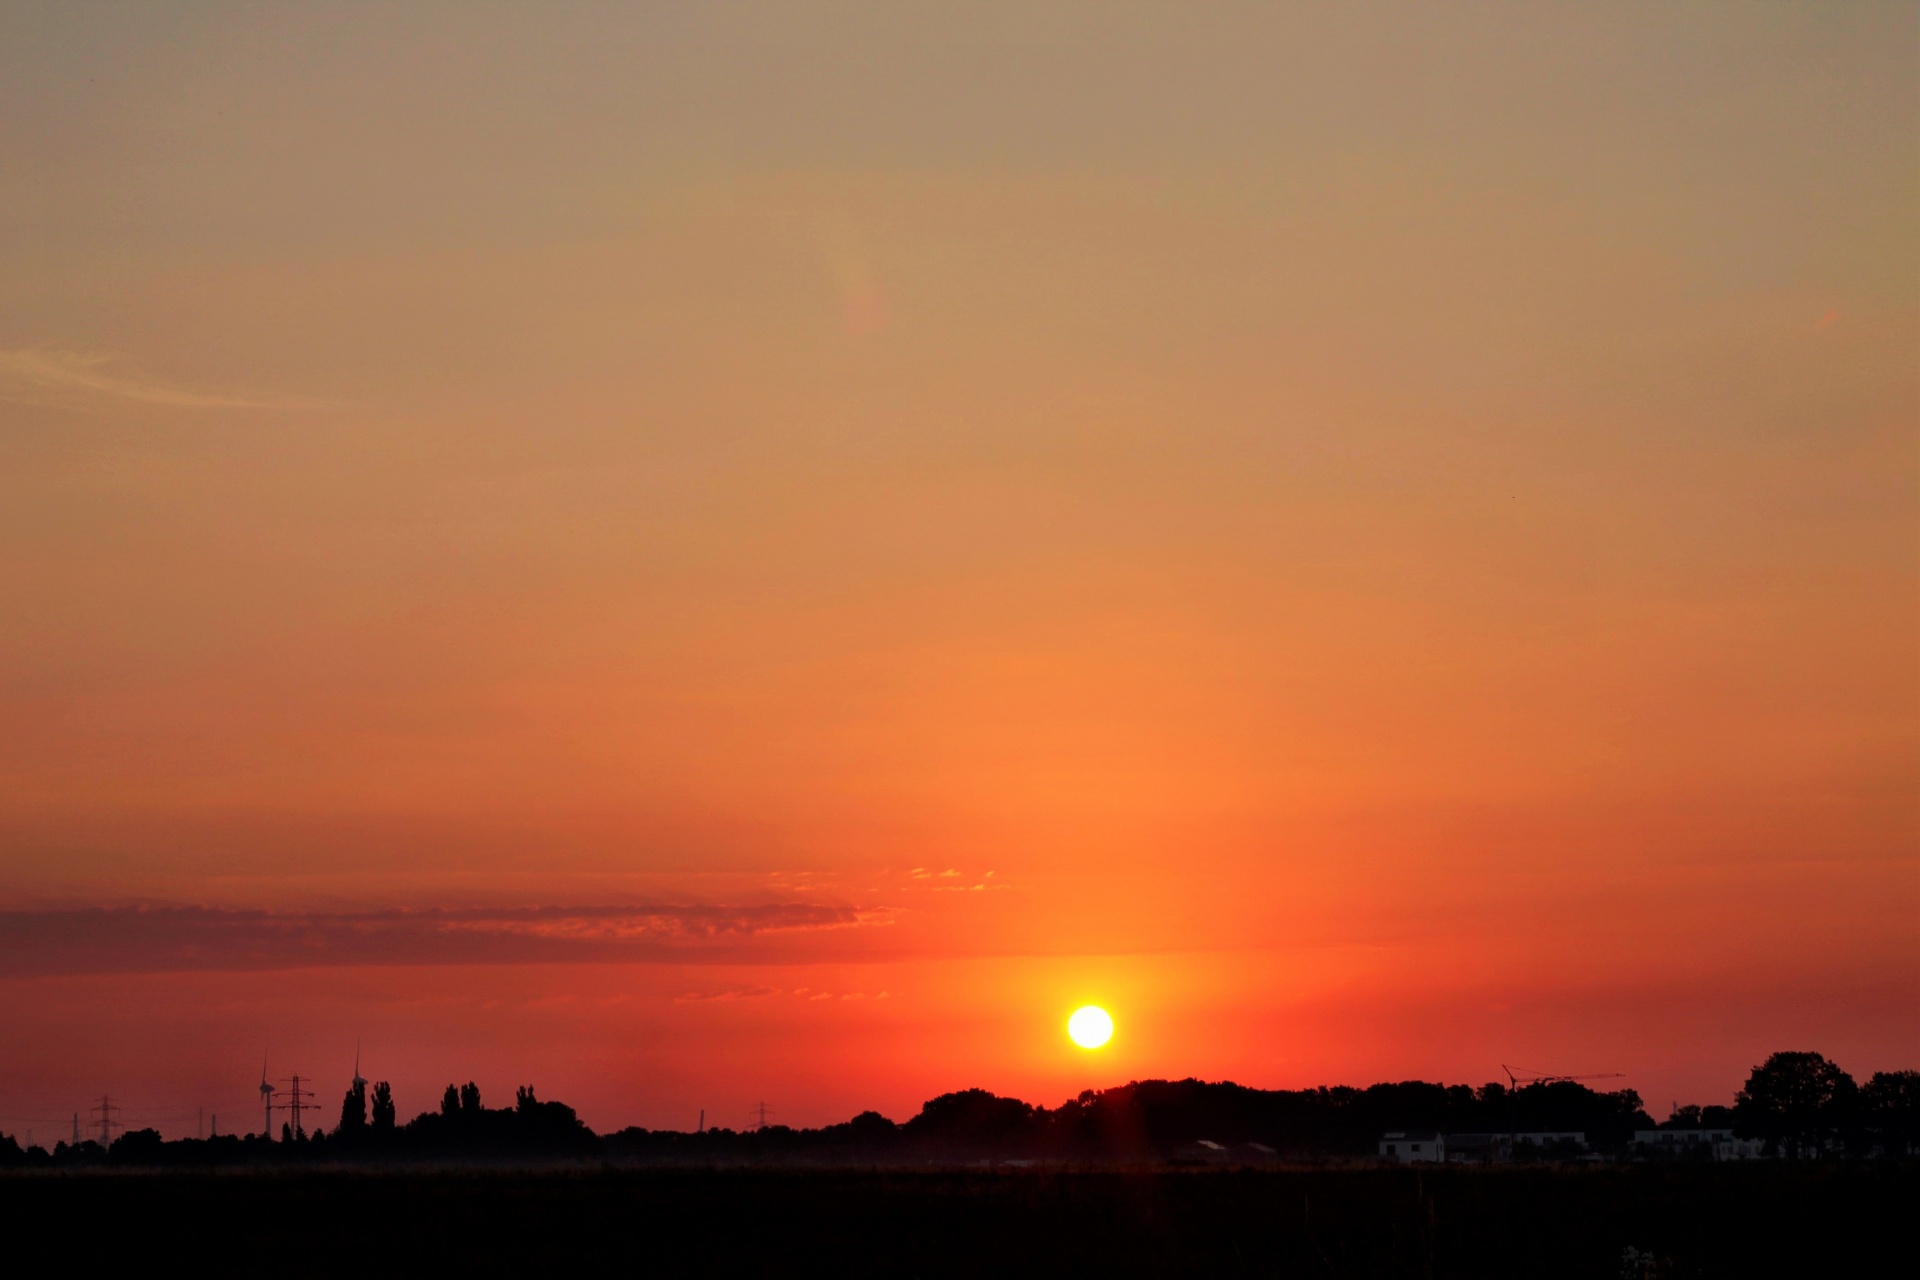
<point>1090,1027</point>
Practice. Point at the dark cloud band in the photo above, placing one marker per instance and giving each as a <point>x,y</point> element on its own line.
<point>154,939</point>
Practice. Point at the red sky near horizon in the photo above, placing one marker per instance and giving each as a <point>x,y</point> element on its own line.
<point>766,553</point>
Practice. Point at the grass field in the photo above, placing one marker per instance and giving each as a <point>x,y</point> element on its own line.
<point>1753,1220</point>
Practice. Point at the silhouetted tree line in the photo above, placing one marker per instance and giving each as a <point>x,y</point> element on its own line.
<point>1801,1104</point>
<point>354,1126</point>
<point>1804,1105</point>
<point>462,1129</point>
<point>1154,1119</point>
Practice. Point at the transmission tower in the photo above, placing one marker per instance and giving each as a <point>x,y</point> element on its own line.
<point>105,1109</point>
<point>759,1115</point>
<point>297,1101</point>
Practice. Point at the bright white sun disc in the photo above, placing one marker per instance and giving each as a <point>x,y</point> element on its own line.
<point>1090,1027</point>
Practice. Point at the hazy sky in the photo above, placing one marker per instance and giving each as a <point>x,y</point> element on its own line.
<point>697,554</point>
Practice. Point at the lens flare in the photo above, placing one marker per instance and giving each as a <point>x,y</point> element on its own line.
<point>1090,1027</point>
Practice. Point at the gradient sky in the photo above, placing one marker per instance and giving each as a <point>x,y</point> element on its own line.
<point>699,554</point>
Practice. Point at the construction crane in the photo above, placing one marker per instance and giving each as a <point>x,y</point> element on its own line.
<point>1517,1076</point>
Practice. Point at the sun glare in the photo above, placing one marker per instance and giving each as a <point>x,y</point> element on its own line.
<point>1090,1027</point>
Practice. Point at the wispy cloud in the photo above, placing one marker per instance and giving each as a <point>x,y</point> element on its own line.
<point>156,939</point>
<point>807,994</point>
<point>728,993</point>
<point>46,375</point>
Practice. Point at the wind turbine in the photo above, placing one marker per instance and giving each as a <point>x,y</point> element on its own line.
<point>266,1101</point>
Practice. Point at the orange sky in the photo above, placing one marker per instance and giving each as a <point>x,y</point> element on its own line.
<point>703,555</point>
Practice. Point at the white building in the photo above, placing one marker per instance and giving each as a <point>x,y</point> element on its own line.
<point>1413,1147</point>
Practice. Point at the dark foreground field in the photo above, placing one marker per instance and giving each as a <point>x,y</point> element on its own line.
<point>1679,1221</point>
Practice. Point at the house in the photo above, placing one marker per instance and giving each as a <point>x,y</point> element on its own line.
<point>1503,1148</point>
<point>1548,1142</point>
<point>1477,1148</point>
<point>1205,1151</point>
<point>1696,1144</point>
<point>1413,1147</point>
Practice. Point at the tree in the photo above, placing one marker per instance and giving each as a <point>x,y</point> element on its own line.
<point>470,1099</point>
<point>383,1115</point>
<point>137,1146</point>
<point>11,1154</point>
<point>1794,1100</point>
<point>974,1119</point>
<point>353,1108</point>
<point>450,1102</point>
<point>871,1127</point>
<point>1891,1106</point>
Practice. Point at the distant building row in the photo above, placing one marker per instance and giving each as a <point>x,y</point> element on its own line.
<point>1206,1151</point>
<point>1719,1143</point>
<point>1416,1146</point>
